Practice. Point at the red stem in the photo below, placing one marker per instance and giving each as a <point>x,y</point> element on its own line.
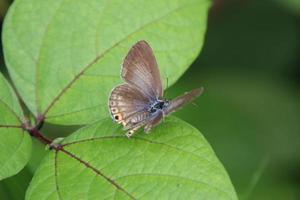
<point>35,131</point>
<point>38,135</point>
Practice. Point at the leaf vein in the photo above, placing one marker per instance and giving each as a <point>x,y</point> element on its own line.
<point>98,172</point>
<point>173,176</point>
<point>56,175</point>
<point>12,111</point>
<point>15,152</point>
<point>37,66</point>
<point>10,126</point>
<point>143,139</point>
<point>75,111</point>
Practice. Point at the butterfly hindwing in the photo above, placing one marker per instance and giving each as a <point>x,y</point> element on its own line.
<point>127,102</point>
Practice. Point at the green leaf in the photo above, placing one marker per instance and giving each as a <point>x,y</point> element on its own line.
<point>15,145</point>
<point>14,188</point>
<point>98,161</point>
<point>65,56</point>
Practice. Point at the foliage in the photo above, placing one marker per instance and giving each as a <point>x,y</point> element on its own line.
<point>64,58</point>
<point>78,48</point>
<point>174,161</point>
<point>15,143</point>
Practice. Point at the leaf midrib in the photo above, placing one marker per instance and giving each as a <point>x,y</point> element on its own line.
<point>37,66</point>
<point>98,172</point>
<point>139,174</point>
<point>10,126</point>
<point>145,140</point>
<point>174,176</point>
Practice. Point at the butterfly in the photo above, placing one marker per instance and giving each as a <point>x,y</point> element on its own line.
<point>139,101</point>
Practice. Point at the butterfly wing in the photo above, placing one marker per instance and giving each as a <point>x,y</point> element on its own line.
<point>182,100</point>
<point>140,69</point>
<point>127,105</point>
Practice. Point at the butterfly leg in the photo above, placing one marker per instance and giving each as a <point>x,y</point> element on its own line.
<point>135,127</point>
<point>153,122</point>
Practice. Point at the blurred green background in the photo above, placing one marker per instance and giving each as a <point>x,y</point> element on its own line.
<point>250,110</point>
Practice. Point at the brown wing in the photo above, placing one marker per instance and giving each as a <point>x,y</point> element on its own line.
<point>182,100</point>
<point>140,69</point>
<point>149,123</point>
<point>127,105</point>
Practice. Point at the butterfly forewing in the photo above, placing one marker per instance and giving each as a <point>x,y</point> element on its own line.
<point>140,69</point>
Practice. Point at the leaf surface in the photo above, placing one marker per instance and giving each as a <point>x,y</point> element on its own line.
<point>99,162</point>
<point>65,56</point>
<point>15,145</point>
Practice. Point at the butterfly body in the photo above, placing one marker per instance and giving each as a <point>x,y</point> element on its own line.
<point>158,105</point>
<point>139,101</point>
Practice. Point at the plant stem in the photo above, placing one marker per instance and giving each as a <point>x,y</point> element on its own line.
<point>38,135</point>
<point>34,131</point>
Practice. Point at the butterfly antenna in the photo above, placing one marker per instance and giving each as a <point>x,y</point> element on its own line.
<point>196,105</point>
<point>167,86</point>
<point>167,82</point>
